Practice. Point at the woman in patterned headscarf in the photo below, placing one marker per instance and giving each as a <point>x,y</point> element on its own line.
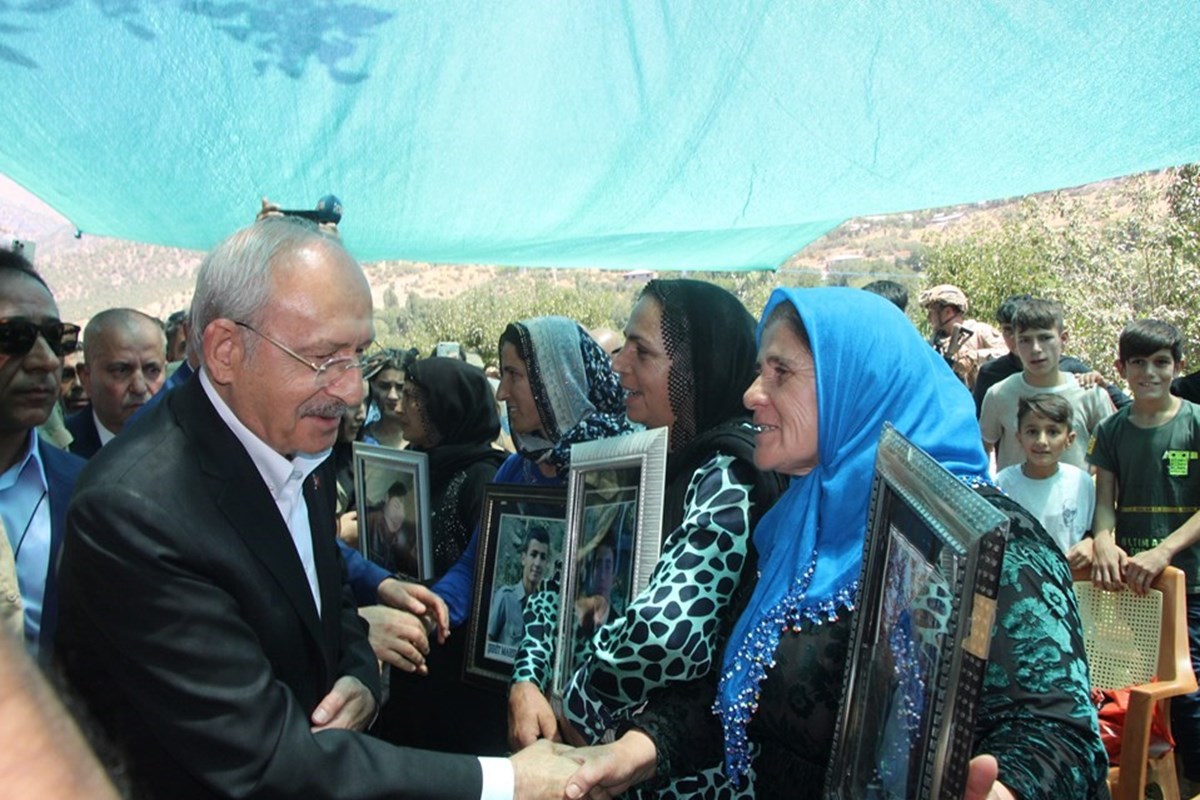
<point>836,364</point>
<point>560,389</point>
<point>687,359</point>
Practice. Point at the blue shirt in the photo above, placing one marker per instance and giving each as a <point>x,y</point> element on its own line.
<point>457,586</point>
<point>25,508</point>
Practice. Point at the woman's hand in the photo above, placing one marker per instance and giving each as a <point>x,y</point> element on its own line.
<point>529,716</point>
<point>607,770</point>
<point>982,783</point>
<point>398,638</point>
<point>590,609</point>
<point>419,600</point>
<point>348,528</point>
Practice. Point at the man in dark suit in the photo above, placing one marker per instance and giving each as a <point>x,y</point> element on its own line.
<point>124,365</point>
<point>203,615</point>
<point>36,478</point>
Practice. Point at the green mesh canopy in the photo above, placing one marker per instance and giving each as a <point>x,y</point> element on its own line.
<point>655,135</point>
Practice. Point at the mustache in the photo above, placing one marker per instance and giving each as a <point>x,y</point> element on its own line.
<point>328,410</point>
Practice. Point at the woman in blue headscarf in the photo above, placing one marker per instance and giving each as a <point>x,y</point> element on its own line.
<point>835,365</point>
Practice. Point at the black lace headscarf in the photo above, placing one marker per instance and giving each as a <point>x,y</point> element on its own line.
<point>709,336</point>
<point>456,404</point>
<point>575,390</point>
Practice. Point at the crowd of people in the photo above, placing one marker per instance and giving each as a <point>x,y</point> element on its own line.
<point>184,534</point>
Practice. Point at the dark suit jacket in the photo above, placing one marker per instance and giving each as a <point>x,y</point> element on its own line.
<point>62,471</point>
<point>188,627</point>
<point>83,427</point>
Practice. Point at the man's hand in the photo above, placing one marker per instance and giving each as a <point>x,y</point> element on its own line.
<point>269,209</point>
<point>1142,569</point>
<point>982,783</point>
<point>1081,554</point>
<point>541,771</point>
<point>1087,380</point>
<point>607,770</point>
<point>1108,563</point>
<point>418,600</point>
<point>397,637</point>
<point>529,716</point>
<point>349,706</point>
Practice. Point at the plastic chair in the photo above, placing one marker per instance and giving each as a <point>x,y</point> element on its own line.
<point>1140,643</point>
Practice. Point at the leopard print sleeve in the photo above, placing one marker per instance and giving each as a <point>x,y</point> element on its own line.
<point>668,633</point>
<point>535,654</point>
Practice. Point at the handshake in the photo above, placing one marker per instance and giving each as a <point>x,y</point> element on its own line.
<point>548,769</point>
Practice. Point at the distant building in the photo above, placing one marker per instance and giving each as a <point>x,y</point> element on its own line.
<point>639,276</point>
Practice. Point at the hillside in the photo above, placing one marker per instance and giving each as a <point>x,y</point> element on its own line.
<point>91,273</point>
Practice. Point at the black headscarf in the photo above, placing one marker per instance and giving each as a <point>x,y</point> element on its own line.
<point>709,336</point>
<point>460,411</point>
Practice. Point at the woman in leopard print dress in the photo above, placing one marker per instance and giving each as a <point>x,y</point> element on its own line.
<point>687,359</point>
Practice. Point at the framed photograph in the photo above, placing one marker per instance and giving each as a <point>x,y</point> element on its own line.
<point>520,552</point>
<point>614,531</point>
<point>920,636</point>
<point>392,491</point>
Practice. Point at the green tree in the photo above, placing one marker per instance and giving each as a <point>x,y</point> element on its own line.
<point>1108,258</point>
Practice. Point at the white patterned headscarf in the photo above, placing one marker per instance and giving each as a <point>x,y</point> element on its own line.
<point>577,394</point>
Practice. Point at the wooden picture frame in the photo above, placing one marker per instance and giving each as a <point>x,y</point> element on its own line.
<point>920,634</point>
<point>520,551</point>
<point>614,534</point>
<point>392,498</point>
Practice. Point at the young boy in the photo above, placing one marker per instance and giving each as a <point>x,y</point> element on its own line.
<point>1148,495</point>
<point>1040,336</point>
<point>1062,496</point>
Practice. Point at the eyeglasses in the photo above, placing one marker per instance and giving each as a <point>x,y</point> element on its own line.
<point>17,336</point>
<point>329,372</point>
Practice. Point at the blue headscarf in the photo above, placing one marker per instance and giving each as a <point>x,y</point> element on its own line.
<point>871,367</point>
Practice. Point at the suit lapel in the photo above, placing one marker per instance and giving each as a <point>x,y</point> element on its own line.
<point>318,494</point>
<point>61,473</point>
<point>243,497</point>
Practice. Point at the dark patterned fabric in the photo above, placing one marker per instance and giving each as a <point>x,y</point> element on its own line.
<point>1035,716</point>
<point>811,541</point>
<point>669,634</point>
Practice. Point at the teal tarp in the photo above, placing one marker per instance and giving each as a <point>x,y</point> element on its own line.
<point>714,134</point>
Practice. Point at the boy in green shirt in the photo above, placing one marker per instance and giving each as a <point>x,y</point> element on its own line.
<point>1148,495</point>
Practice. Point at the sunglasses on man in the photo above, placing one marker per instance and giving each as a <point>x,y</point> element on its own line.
<point>18,335</point>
